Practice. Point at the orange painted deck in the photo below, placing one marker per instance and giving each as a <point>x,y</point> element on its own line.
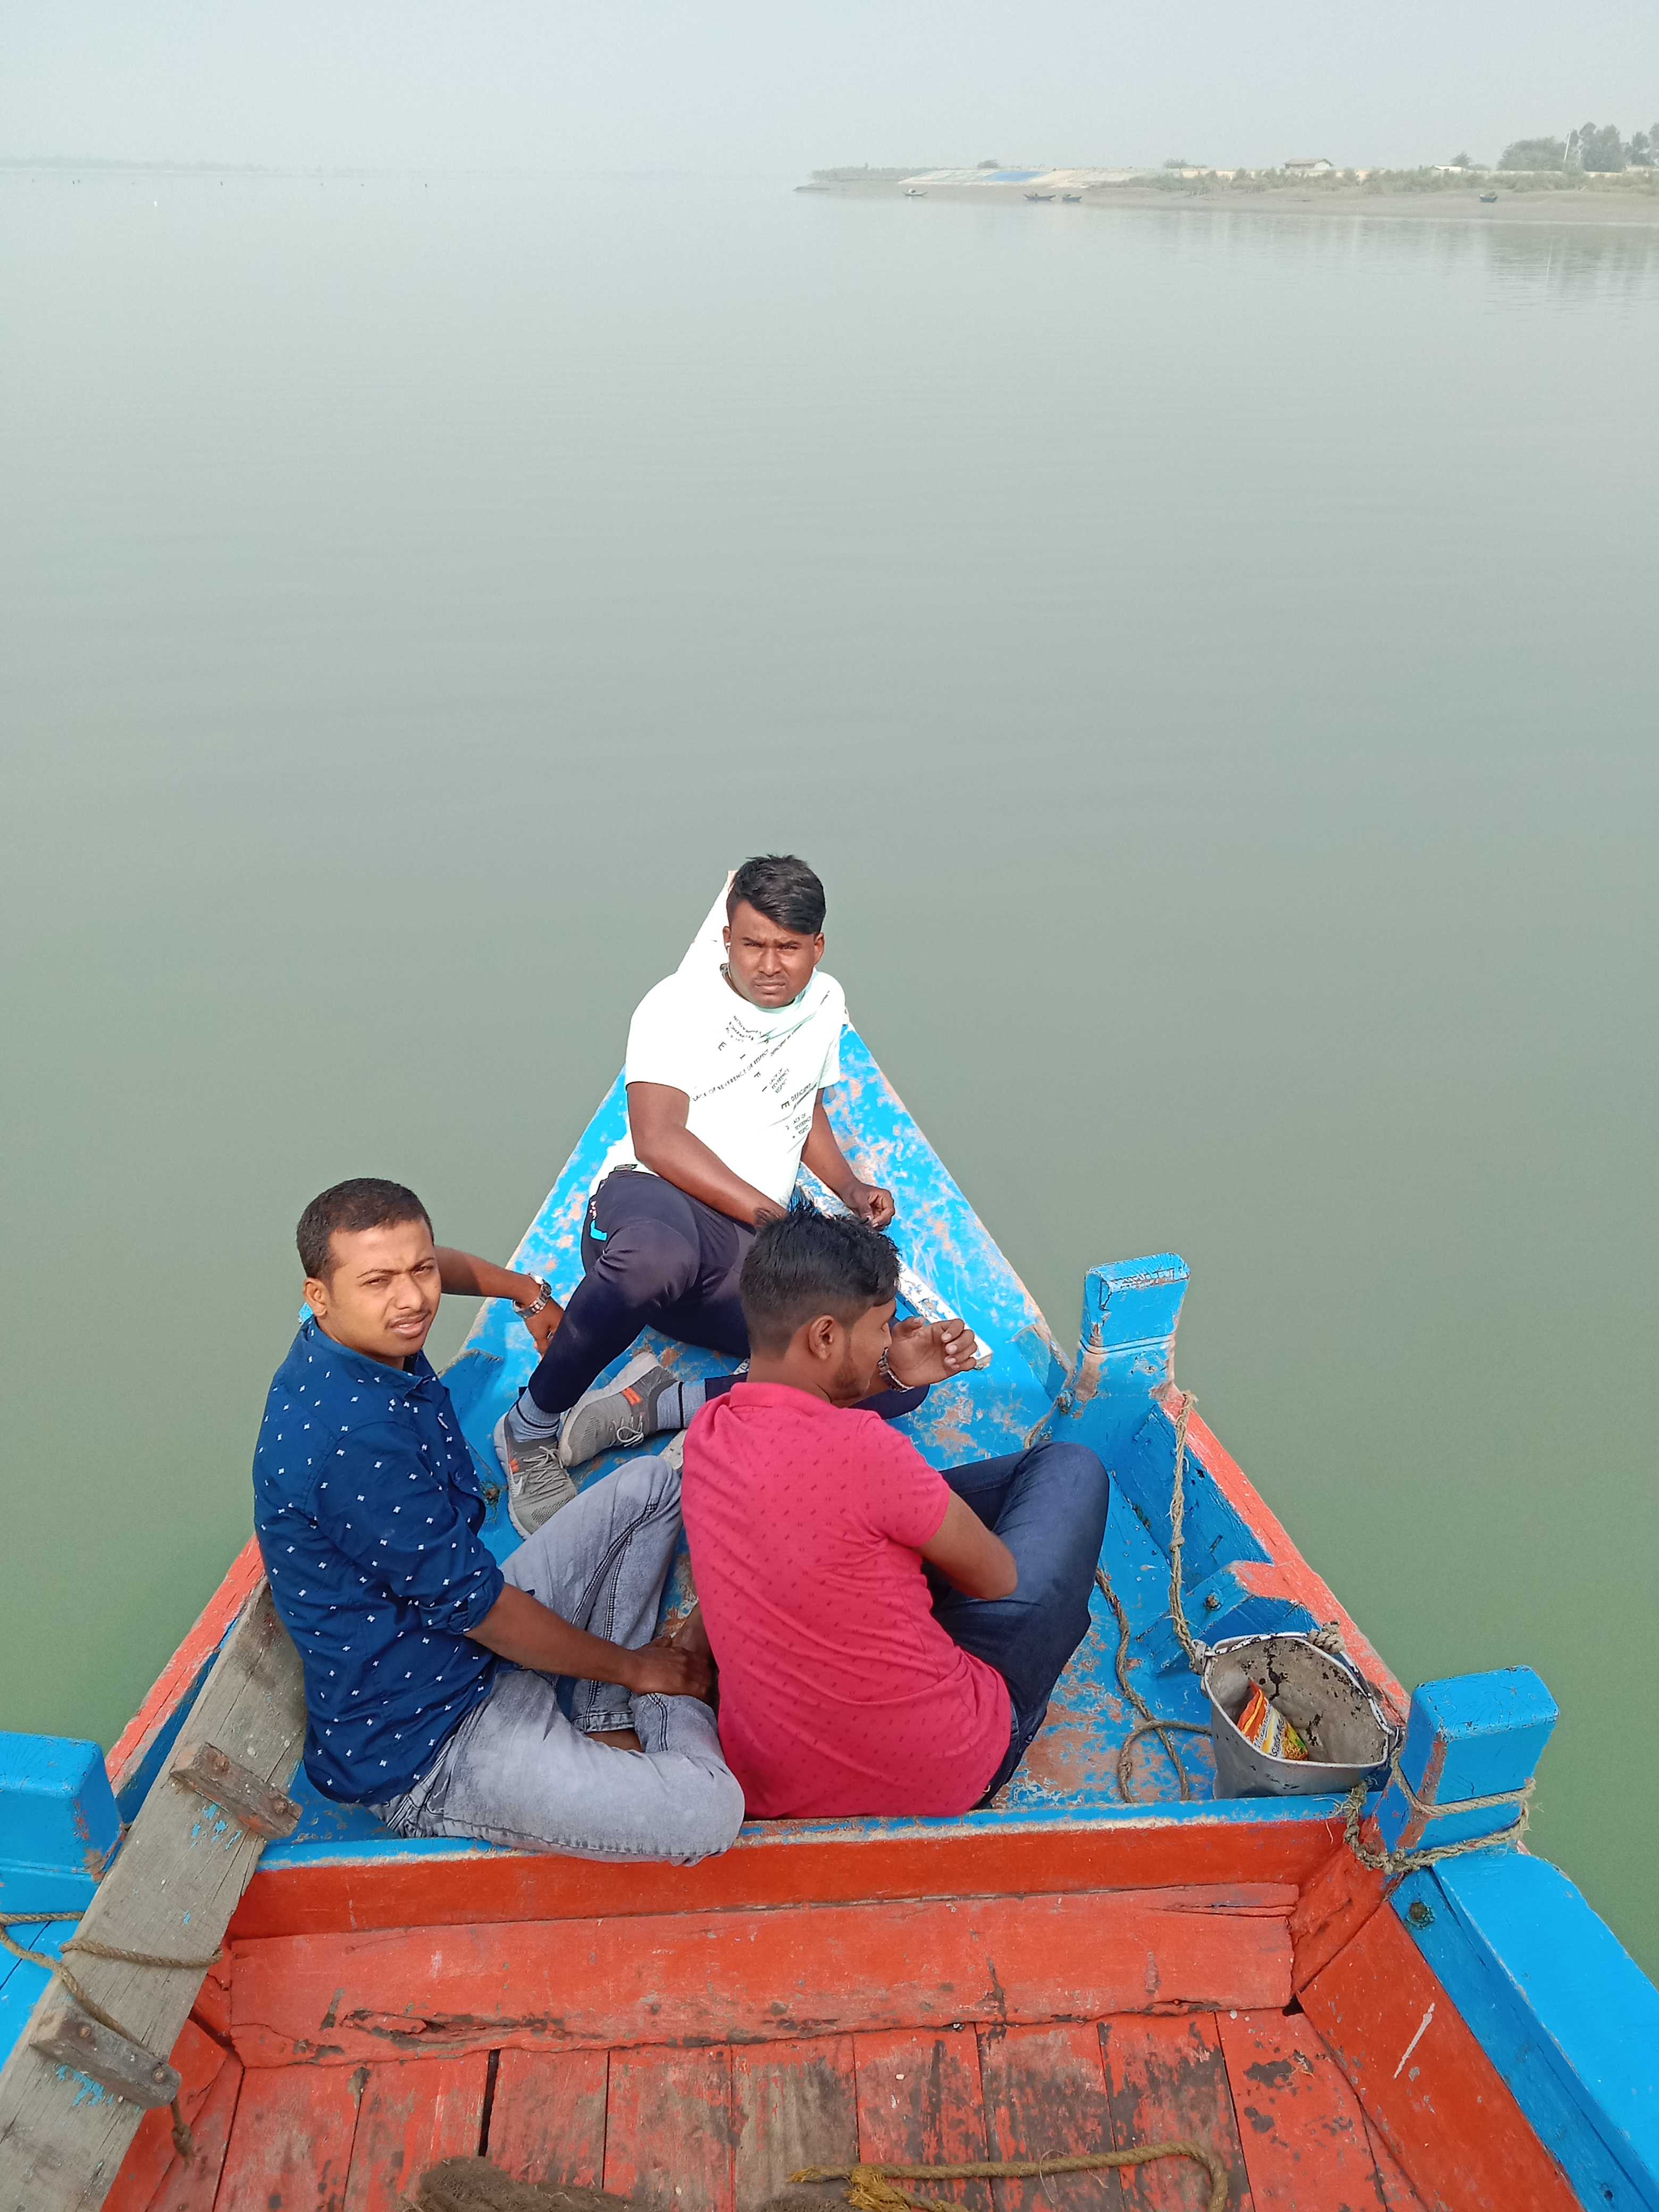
<point>691,2060</point>
<point>719,2128</point>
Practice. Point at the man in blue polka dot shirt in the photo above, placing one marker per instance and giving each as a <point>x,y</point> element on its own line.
<point>526,1704</point>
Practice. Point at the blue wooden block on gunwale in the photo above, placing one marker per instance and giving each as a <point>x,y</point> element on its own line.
<point>1131,1309</point>
<point>1558,2004</point>
<point>1472,1735</point>
<point>59,1824</point>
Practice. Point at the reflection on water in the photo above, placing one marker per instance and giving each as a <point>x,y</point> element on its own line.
<point>1617,261</point>
<point>1206,657</point>
<point>1564,260</point>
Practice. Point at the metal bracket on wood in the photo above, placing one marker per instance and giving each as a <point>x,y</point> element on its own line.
<point>72,2037</point>
<point>255,1805</point>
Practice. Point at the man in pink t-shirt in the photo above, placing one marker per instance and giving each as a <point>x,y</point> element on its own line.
<point>887,1637</point>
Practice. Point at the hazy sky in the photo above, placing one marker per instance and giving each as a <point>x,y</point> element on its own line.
<point>776,86</point>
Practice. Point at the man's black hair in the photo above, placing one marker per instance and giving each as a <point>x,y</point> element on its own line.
<point>807,1263</point>
<point>781,887</point>
<point>364,1202</point>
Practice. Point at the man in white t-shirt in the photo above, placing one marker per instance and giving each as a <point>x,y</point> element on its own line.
<point>728,1060</point>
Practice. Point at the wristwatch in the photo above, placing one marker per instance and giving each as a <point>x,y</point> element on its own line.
<point>536,1304</point>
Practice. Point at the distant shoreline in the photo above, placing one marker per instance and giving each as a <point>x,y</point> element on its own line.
<point>1454,204</point>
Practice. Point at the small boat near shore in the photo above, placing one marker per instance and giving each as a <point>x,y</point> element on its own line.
<point>1039,196</point>
<point>1334,1999</point>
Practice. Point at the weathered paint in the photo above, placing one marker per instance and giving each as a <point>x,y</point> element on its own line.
<point>58,1825</point>
<point>143,1744</point>
<point>1432,2092</point>
<point>1476,1735</point>
<point>1131,1310</point>
<point>1292,1576</point>
<point>788,1970</point>
<point>1301,2127</point>
<point>1557,2004</point>
<point>439,1884</point>
<point>168,1895</point>
<point>152,2158</point>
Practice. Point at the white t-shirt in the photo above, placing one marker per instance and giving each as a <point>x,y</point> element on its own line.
<point>752,1074</point>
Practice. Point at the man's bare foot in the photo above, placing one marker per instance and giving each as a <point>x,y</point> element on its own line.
<point>618,1739</point>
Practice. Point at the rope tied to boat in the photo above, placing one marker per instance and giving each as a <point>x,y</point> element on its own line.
<point>1196,1653</point>
<point>183,2141</point>
<point>1393,1863</point>
<point>1328,1638</point>
<point>1148,1723</point>
<point>872,2187</point>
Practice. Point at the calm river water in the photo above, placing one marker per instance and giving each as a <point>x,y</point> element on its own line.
<point>1209,659</point>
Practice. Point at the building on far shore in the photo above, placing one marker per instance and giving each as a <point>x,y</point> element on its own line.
<point>1315,165</point>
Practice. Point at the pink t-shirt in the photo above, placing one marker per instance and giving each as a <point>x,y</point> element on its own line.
<point>840,1693</point>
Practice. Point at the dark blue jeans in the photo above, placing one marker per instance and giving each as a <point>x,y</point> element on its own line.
<point>1048,1505</point>
<point>656,1258</point>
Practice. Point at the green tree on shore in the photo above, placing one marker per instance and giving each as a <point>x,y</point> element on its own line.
<point>1534,154</point>
<point>1597,146</point>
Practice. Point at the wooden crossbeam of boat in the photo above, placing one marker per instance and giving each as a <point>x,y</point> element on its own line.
<point>65,2125</point>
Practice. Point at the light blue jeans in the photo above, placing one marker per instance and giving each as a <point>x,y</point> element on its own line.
<point>519,1771</point>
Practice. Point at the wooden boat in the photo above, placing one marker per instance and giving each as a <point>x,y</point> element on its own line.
<point>1039,196</point>
<point>1109,1957</point>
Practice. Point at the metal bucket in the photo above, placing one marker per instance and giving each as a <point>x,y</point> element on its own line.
<point>1325,1699</point>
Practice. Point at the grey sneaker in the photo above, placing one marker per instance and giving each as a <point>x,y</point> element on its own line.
<point>537,1483</point>
<point>617,1415</point>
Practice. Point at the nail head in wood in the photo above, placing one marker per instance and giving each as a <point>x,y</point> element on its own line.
<point>73,2037</point>
<point>255,1805</point>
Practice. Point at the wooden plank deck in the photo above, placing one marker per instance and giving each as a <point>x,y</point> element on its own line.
<point>737,1977</point>
<point>721,2128</point>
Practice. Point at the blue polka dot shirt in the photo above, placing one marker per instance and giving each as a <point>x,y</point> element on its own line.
<point>367,1510</point>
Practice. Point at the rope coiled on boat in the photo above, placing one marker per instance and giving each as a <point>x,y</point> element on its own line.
<point>871,2188</point>
<point>474,2184</point>
<point>1148,1723</point>
<point>183,2141</point>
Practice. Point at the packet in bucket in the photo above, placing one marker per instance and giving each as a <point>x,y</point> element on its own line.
<point>1266,1728</point>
